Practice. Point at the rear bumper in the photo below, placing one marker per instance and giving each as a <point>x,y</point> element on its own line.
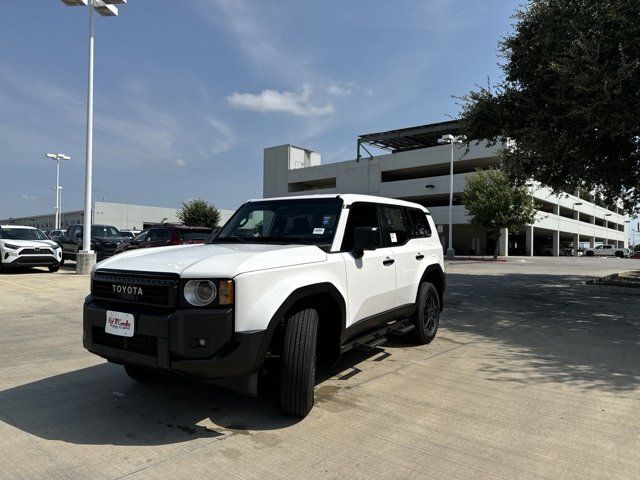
<point>169,341</point>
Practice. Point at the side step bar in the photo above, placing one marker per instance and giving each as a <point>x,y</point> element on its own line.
<point>372,340</point>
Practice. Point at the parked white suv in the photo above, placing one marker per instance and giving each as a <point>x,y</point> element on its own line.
<point>284,283</point>
<point>23,247</point>
<point>607,251</point>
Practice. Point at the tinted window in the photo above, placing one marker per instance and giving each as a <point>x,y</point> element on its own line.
<point>194,234</point>
<point>158,235</point>
<point>142,236</point>
<point>21,234</point>
<point>104,231</point>
<point>361,215</point>
<point>284,221</point>
<point>397,224</point>
<point>419,223</point>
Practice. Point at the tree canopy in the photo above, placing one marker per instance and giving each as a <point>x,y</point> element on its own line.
<point>199,213</point>
<point>494,202</point>
<point>569,98</point>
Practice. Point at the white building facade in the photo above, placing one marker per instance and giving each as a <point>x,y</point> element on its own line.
<point>417,169</point>
<point>119,215</point>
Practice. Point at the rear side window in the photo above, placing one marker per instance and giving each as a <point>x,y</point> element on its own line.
<point>158,235</point>
<point>361,215</point>
<point>419,224</point>
<point>193,234</point>
<point>396,224</point>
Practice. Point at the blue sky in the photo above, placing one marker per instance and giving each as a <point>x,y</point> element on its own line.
<point>189,92</point>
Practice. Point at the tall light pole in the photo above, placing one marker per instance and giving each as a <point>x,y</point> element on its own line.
<point>86,258</point>
<point>450,139</point>
<point>576,204</point>
<point>606,228</point>
<point>57,157</point>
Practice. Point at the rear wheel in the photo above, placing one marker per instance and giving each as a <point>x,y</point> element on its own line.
<point>298,363</point>
<point>426,317</point>
<point>589,254</point>
<point>142,374</point>
<point>619,254</point>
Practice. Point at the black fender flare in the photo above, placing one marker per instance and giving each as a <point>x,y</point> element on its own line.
<point>435,268</point>
<point>297,295</point>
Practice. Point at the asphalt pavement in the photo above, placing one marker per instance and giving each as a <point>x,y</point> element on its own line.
<point>533,375</point>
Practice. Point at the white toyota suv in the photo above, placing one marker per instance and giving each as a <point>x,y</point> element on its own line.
<point>286,283</point>
<point>23,247</point>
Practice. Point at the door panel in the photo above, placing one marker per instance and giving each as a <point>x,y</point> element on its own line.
<point>371,279</point>
<point>371,284</point>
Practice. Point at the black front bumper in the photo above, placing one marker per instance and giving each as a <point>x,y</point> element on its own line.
<point>168,340</point>
<point>33,261</point>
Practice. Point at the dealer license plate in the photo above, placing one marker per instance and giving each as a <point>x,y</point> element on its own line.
<point>119,323</point>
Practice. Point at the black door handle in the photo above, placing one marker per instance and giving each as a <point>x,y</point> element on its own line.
<point>388,261</point>
<point>419,256</point>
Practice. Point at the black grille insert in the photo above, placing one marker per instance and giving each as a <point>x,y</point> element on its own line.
<point>143,344</point>
<point>33,251</point>
<point>140,289</point>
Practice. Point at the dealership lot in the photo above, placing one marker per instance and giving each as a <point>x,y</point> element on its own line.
<point>533,375</point>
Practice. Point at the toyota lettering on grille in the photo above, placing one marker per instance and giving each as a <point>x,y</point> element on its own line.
<point>127,290</point>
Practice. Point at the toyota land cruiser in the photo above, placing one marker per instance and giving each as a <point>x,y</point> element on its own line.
<point>295,281</point>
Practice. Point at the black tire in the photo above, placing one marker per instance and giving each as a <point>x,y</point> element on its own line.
<point>619,254</point>
<point>426,317</point>
<point>298,363</point>
<point>589,254</point>
<point>62,260</point>
<point>142,374</point>
<point>54,268</point>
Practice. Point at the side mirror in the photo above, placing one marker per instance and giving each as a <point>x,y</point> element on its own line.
<point>365,238</point>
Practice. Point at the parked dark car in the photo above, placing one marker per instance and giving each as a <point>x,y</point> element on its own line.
<point>164,235</point>
<point>105,239</point>
<point>56,235</point>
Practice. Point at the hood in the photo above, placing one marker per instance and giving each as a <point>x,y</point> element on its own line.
<point>213,260</point>
<point>30,243</point>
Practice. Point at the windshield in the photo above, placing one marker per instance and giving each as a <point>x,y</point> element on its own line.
<point>104,231</point>
<point>21,234</point>
<point>311,221</point>
<point>191,235</point>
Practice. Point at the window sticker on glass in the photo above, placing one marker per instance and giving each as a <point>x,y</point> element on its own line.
<point>318,231</point>
<point>394,238</point>
<point>326,221</point>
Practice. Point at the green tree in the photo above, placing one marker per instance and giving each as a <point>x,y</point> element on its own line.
<point>494,202</point>
<point>199,213</point>
<point>569,98</point>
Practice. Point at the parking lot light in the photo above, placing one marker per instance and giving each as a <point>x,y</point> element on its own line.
<point>57,157</point>
<point>450,139</point>
<point>86,257</point>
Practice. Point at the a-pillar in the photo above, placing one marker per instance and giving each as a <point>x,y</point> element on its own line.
<point>504,242</point>
<point>528,232</point>
<point>556,243</point>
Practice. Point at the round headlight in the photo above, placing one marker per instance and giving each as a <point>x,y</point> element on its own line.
<point>200,292</point>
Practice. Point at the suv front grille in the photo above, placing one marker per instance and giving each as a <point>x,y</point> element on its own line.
<point>31,251</point>
<point>136,288</point>
<point>142,344</point>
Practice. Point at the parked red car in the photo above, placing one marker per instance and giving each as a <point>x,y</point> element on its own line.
<point>165,234</point>
<point>635,255</point>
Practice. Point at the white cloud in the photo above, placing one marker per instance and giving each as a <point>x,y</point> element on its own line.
<point>341,89</point>
<point>29,198</point>
<point>296,103</point>
<point>179,162</point>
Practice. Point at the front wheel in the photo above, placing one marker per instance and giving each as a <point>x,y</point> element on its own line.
<point>589,254</point>
<point>298,363</point>
<point>426,317</point>
<point>62,260</point>
<point>54,268</point>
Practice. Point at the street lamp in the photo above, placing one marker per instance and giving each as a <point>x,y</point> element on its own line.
<point>57,157</point>
<point>86,258</point>
<point>450,139</point>
<point>606,228</point>
<point>576,204</point>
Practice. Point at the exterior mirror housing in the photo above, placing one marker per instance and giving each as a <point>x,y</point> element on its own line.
<point>364,238</point>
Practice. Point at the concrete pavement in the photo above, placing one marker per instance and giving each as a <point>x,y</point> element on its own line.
<point>533,375</point>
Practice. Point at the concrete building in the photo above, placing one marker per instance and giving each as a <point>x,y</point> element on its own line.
<point>417,169</point>
<point>119,215</point>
